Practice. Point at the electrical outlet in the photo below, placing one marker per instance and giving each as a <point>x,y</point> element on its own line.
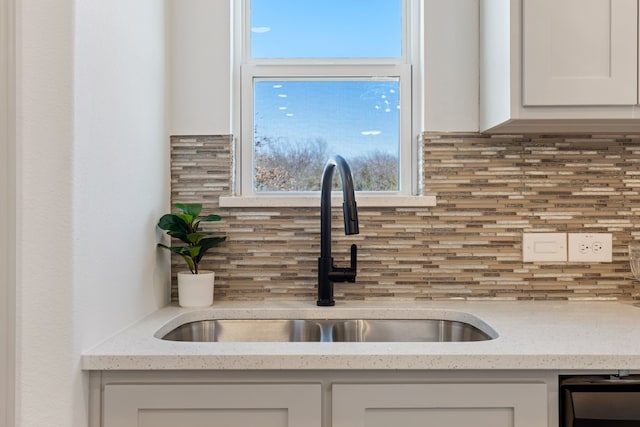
<point>590,247</point>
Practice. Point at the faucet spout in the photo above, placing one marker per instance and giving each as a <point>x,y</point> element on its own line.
<point>327,272</point>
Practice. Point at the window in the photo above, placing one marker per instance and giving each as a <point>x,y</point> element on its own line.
<point>325,77</point>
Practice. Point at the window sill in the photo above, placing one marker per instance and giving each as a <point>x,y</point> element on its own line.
<point>313,201</point>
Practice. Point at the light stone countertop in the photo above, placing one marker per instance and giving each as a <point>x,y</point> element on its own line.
<point>531,335</point>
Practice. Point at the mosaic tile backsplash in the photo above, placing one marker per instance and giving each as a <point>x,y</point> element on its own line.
<point>490,189</point>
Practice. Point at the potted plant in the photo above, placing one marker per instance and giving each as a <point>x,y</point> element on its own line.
<point>195,286</point>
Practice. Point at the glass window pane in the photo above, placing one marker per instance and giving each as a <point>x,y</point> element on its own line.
<point>326,28</point>
<point>299,123</point>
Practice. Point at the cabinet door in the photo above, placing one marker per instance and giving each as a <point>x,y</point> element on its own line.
<point>580,52</point>
<point>440,405</point>
<point>206,405</point>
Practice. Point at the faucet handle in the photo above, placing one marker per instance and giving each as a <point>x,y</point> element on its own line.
<point>354,258</point>
<point>337,274</point>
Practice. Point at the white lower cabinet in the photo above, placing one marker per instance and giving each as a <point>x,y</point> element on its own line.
<point>439,405</point>
<point>206,405</point>
<point>323,399</point>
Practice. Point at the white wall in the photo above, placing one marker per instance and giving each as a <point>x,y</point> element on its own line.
<point>44,285</point>
<point>92,179</point>
<point>7,238</point>
<point>121,162</point>
<point>4,187</point>
<point>121,167</point>
<point>201,57</point>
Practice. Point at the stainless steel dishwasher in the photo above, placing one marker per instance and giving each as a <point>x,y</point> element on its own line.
<point>600,401</point>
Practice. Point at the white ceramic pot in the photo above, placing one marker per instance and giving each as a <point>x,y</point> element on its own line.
<point>195,290</point>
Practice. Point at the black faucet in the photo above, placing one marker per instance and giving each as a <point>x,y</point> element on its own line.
<point>327,272</point>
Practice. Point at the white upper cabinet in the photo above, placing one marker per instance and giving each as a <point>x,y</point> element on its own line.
<point>580,52</point>
<point>559,66</point>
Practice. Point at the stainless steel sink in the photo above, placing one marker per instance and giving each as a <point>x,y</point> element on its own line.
<point>236,330</point>
<point>410,330</point>
<point>339,330</point>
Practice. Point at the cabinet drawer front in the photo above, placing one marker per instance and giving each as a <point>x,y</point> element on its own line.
<point>440,405</point>
<point>200,405</point>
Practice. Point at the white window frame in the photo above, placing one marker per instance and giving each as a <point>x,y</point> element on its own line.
<point>408,69</point>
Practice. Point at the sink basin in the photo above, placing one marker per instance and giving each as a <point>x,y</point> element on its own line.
<point>236,330</point>
<point>339,330</point>
<point>410,330</point>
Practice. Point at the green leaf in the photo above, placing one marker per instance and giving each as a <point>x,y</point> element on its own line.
<point>190,264</point>
<point>193,252</point>
<point>185,252</point>
<point>210,218</point>
<point>180,250</point>
<point>194,238</point>
<point>206,244</point>
<point>192,209</point>
<point>188,219</point>
<point>175,227</point>
<point>172,222</point>
<point>183,237</point>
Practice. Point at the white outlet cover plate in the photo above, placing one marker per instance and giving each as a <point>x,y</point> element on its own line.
<point>544,247</point>
<point>590,247</point>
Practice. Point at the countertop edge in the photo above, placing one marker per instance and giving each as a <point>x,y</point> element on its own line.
<point>531,336</point>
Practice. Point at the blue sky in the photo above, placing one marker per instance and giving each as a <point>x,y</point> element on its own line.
<point>326,28</point>
<point>352,116</point>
